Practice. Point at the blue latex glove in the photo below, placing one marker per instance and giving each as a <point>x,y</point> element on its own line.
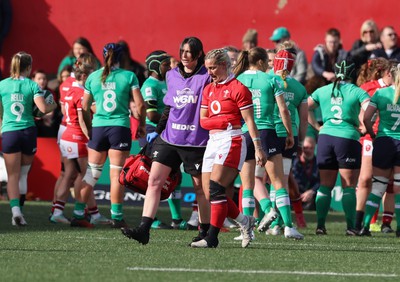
<point>151,136</point>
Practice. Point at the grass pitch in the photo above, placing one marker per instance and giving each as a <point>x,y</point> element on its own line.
<point>43,251</point>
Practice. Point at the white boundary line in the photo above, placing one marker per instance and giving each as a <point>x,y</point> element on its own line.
<point>161,269</point>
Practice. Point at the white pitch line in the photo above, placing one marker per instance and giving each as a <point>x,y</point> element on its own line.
<point>259,272</point>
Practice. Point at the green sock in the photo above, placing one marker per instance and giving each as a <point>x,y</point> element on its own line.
<point>248,202</point>
<point>174,203</point>
<point>397,210</point>
<point>116,211</point>
<point>349,206</point>
<point>272,195</point>
<point>79,210</point>
<point>260,212</point>
<point>372,204</point>
<point>265,205</point>
<point>14,203</point>
<point>322,203</point>
<point>283,204</point>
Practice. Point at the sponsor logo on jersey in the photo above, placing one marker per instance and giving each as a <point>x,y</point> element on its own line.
<point>155,154</point>
<point>215,107</point>
<point>350,160</point>
<point>123,145</point>
<point>184,97</point>
<point>148,91</point>
<point>272,150</point>
<point>179,126</point>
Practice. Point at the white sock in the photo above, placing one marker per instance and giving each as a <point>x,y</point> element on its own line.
<point>16,211</point>
<point>242,219</point>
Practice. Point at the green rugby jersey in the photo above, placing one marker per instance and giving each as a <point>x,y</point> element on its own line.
<point>111,97</point>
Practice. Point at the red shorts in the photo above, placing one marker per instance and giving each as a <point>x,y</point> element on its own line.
<point>73,150</point>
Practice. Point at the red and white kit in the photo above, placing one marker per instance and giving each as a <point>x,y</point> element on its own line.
<point>73,142</point>
<point>224,101</point>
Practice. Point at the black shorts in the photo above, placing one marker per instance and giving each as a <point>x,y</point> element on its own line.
<point>289,153</point>
<point>23,141</point>
<point>110,137</point>
<point>386,153</point>
<point>173,156</point>
<point>269,143</point>
<point>336,152</point>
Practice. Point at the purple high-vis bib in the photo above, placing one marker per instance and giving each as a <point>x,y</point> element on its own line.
<point>184,97</point>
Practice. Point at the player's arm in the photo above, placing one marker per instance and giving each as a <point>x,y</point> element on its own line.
<point>86,108</point>
<point>140,111</point>
<point>368,114</point>
<point>285,116</point>
<point>151,111</point>
<point>43,106</point>
<point>311,116</point>
<point>82,123</point>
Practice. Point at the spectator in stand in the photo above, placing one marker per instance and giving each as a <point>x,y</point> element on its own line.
<point>299,70</point>
<point>127,63</point>
<point>390,50</point>
<point>250,39</point>
<point>233,54</point>
<point>271,55</point>
<point>47,125</point>
<point>64,74</point>
<point>327,55</point>
<point>306,174</point>
<point>368,42</point>
<point>18,96</point>
<point>80,45</point>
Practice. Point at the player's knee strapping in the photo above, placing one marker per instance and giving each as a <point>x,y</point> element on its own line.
<point>93,173</point>
<point>217,192</point>
<point>396,179</point>
<point>379,185</point>
<point>23,179</point>
<point>287,165</point>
